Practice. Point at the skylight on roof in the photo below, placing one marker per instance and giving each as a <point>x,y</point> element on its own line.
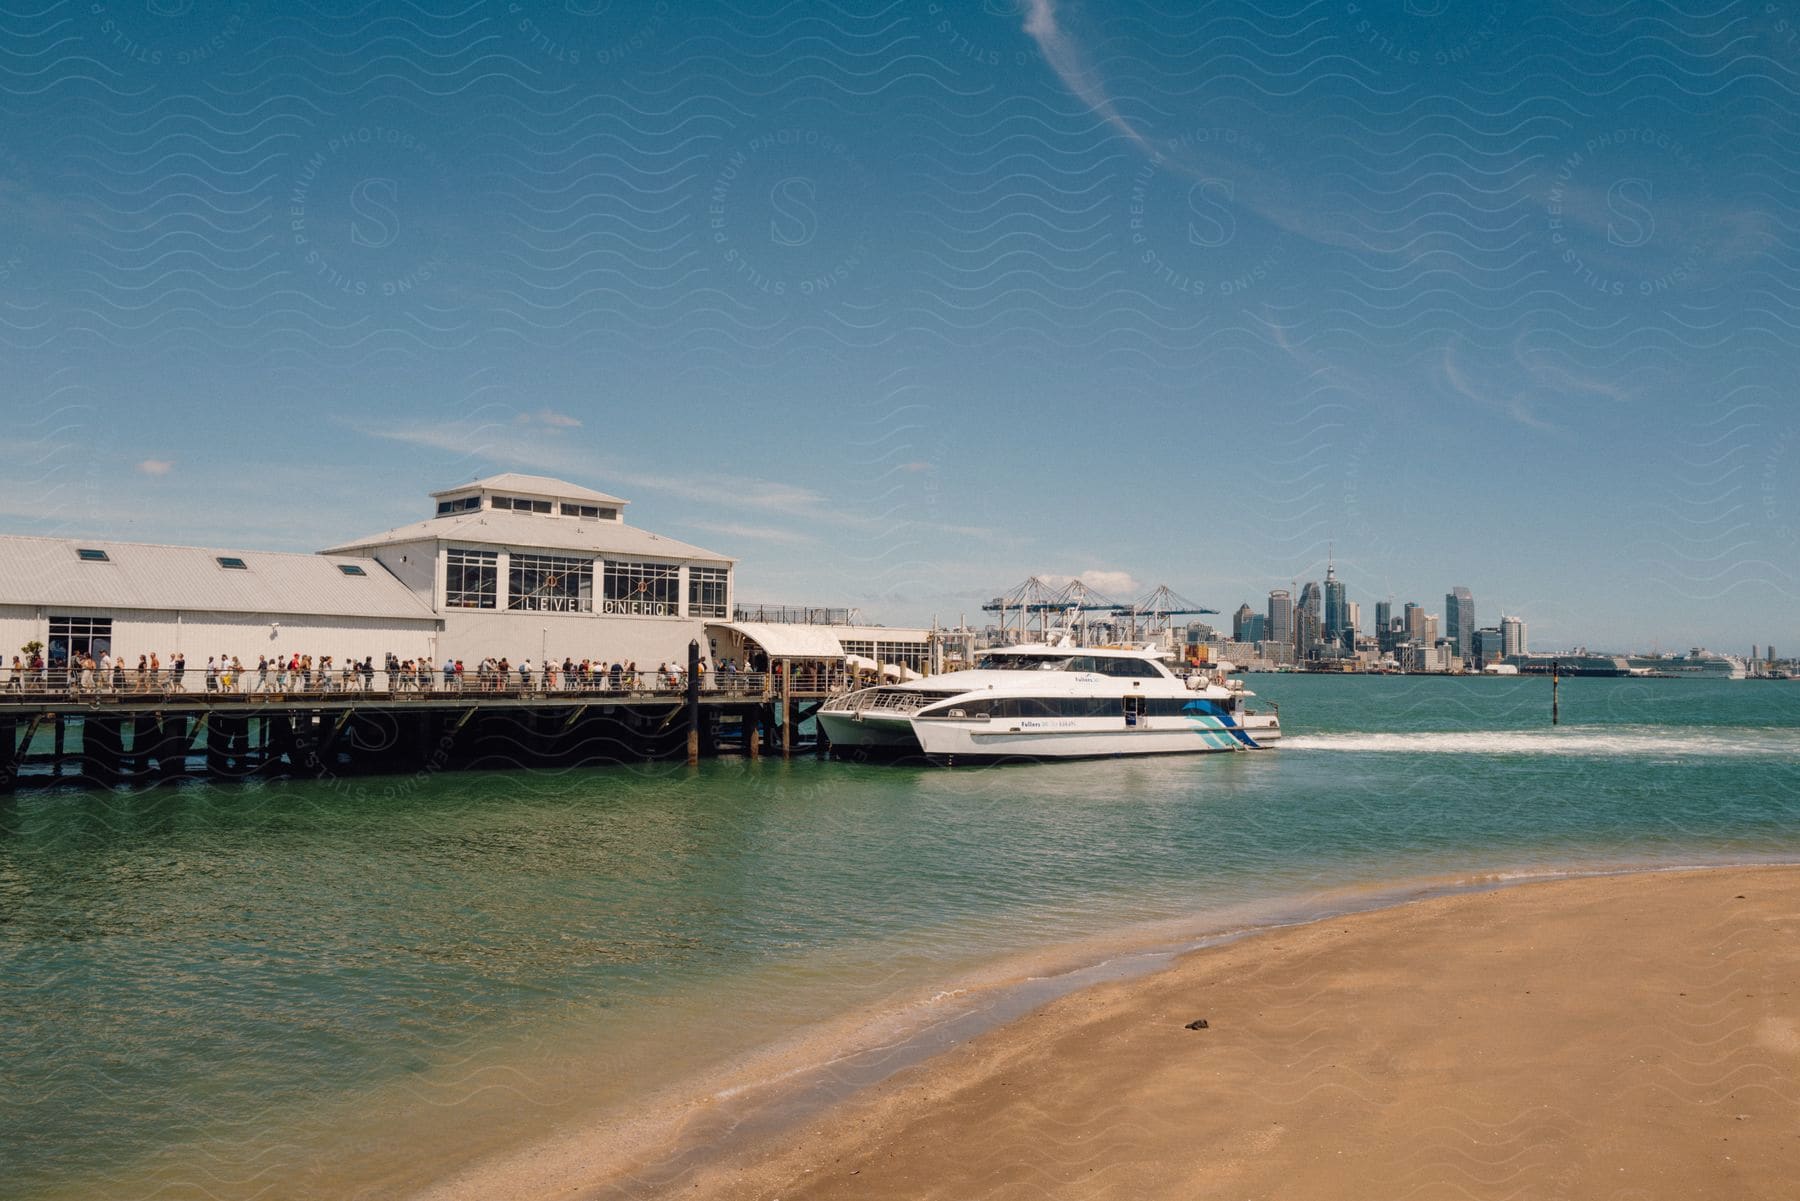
<point>88,554</point>
<point>232,563</point>
<point>351,569</point>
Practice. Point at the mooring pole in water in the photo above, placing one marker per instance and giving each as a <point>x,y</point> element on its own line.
<point>1555,689</point>
<point>693,702</point>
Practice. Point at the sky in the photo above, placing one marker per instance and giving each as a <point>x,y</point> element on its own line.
<point>901,302</point>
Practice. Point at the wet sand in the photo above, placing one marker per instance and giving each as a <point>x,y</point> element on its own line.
<point>1623,1037</point>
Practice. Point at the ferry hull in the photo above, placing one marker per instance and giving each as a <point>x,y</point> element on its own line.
<point>949,742</point>
<point>869,736</point>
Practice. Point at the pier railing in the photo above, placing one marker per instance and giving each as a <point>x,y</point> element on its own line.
<point>252,685</point>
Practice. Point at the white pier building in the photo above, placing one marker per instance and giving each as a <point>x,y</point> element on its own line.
<point>515,566</point>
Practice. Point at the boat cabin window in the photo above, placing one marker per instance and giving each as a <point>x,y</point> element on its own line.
<point>1005,662</point>
<point>1119,667</point>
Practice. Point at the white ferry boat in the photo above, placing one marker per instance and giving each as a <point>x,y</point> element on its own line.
<point>1049,701</point>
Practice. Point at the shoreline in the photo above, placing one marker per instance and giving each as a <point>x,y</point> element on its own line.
<point>1637,1032</point>
<point>705,1128</point>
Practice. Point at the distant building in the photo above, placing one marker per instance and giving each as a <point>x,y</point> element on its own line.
<point>1426,658</point>
<point>1490,646</point>
<point>1384,625</point>
<point>1309,618</point>
<point>1459,620</point>
<point>1334,620</point>
<point>1240,624</point>
<point>1352,622</point>
<point>1281,617</point>
<point>1429,629</point>
<point>1414,624</point>
<point>1512,636</point>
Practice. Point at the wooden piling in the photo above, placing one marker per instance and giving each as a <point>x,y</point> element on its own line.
<point>787,708</point>
<point>101,750</point>
<point>693,703</point>
<point>10,754</point>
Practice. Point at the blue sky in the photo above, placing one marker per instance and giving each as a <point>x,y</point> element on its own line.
<point>900,302</point>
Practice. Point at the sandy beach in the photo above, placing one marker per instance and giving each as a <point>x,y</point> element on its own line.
<point>1620,1037</point>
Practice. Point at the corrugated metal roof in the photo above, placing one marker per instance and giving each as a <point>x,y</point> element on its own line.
<point>532,531</point>
<point>535,485</point>
<point>138,575</point>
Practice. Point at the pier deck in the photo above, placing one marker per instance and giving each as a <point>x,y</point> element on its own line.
<point>110,736</point>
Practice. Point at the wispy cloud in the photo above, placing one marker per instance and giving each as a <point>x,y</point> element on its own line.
<point>1516,407</point>
<point>761,533</point>
<point>1066,59</point>
<point>535,446</point>
<point>156,466</point>
<point>550,418</point>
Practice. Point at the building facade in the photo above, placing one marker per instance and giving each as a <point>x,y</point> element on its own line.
<point>522,566</point>
<point>1459,620</point>
<point>92,597</point>
<point>1512,636</point>
<point>1281,616</point>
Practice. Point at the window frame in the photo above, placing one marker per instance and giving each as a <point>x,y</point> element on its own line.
<point>528,574</point>
<point>485,592</point>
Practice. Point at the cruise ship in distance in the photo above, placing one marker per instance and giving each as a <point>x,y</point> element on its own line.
<point>1049,701</point>
<point>1696,664</point>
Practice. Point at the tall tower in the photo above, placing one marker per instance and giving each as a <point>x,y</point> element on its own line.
<point>1459,621</point>
<point>1240,624</point>
<point>1309,615</point>
<point>1281,617</point>
<point>1415,624</point>
<point>1512,636</point>
<point>1335,617</point>
<point>1384,623</point>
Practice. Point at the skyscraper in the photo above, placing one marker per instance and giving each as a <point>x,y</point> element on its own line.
<point>1281,617</point>
<point>1512,635</point>
<point>1384,624</point>
<point>1459,621</point>
<point>1309,617</point>
<point>1352,620</point>
<point>1240,623</point>
<point>1334,622</point>
<point>1312,600</point>
<point>1415,624</point>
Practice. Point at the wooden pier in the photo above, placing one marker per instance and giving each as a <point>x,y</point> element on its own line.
<point>105,737</point>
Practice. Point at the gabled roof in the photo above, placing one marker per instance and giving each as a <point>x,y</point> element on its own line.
<point>138,575</point>
<point>529,531</point>
<point>533,485</point>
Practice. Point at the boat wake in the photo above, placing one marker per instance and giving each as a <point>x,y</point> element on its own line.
<point>1615,742</point>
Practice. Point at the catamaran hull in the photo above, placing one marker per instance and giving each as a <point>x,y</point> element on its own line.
<point>869,737</point>
<point>951,742</point>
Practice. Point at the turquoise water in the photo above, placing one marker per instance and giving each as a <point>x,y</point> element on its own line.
<point>278,990</point>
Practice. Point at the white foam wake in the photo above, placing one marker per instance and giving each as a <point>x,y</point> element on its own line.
<point>1589,742</point>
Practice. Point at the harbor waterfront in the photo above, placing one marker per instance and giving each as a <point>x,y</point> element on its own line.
<point>362,987</point>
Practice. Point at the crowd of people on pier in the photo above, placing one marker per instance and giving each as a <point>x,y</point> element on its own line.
<point>279,675</point>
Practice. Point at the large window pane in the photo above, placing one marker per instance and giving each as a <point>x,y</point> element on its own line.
<point>706,591</point>
<point>642,589</point>
<point>471,579</point>
<point>550,584</point>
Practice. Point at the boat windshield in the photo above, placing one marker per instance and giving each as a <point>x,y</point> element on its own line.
<point>1024,662</point>
<point>1106,665</point>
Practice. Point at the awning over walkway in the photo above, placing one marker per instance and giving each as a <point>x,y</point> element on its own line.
<point>783,641</point>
